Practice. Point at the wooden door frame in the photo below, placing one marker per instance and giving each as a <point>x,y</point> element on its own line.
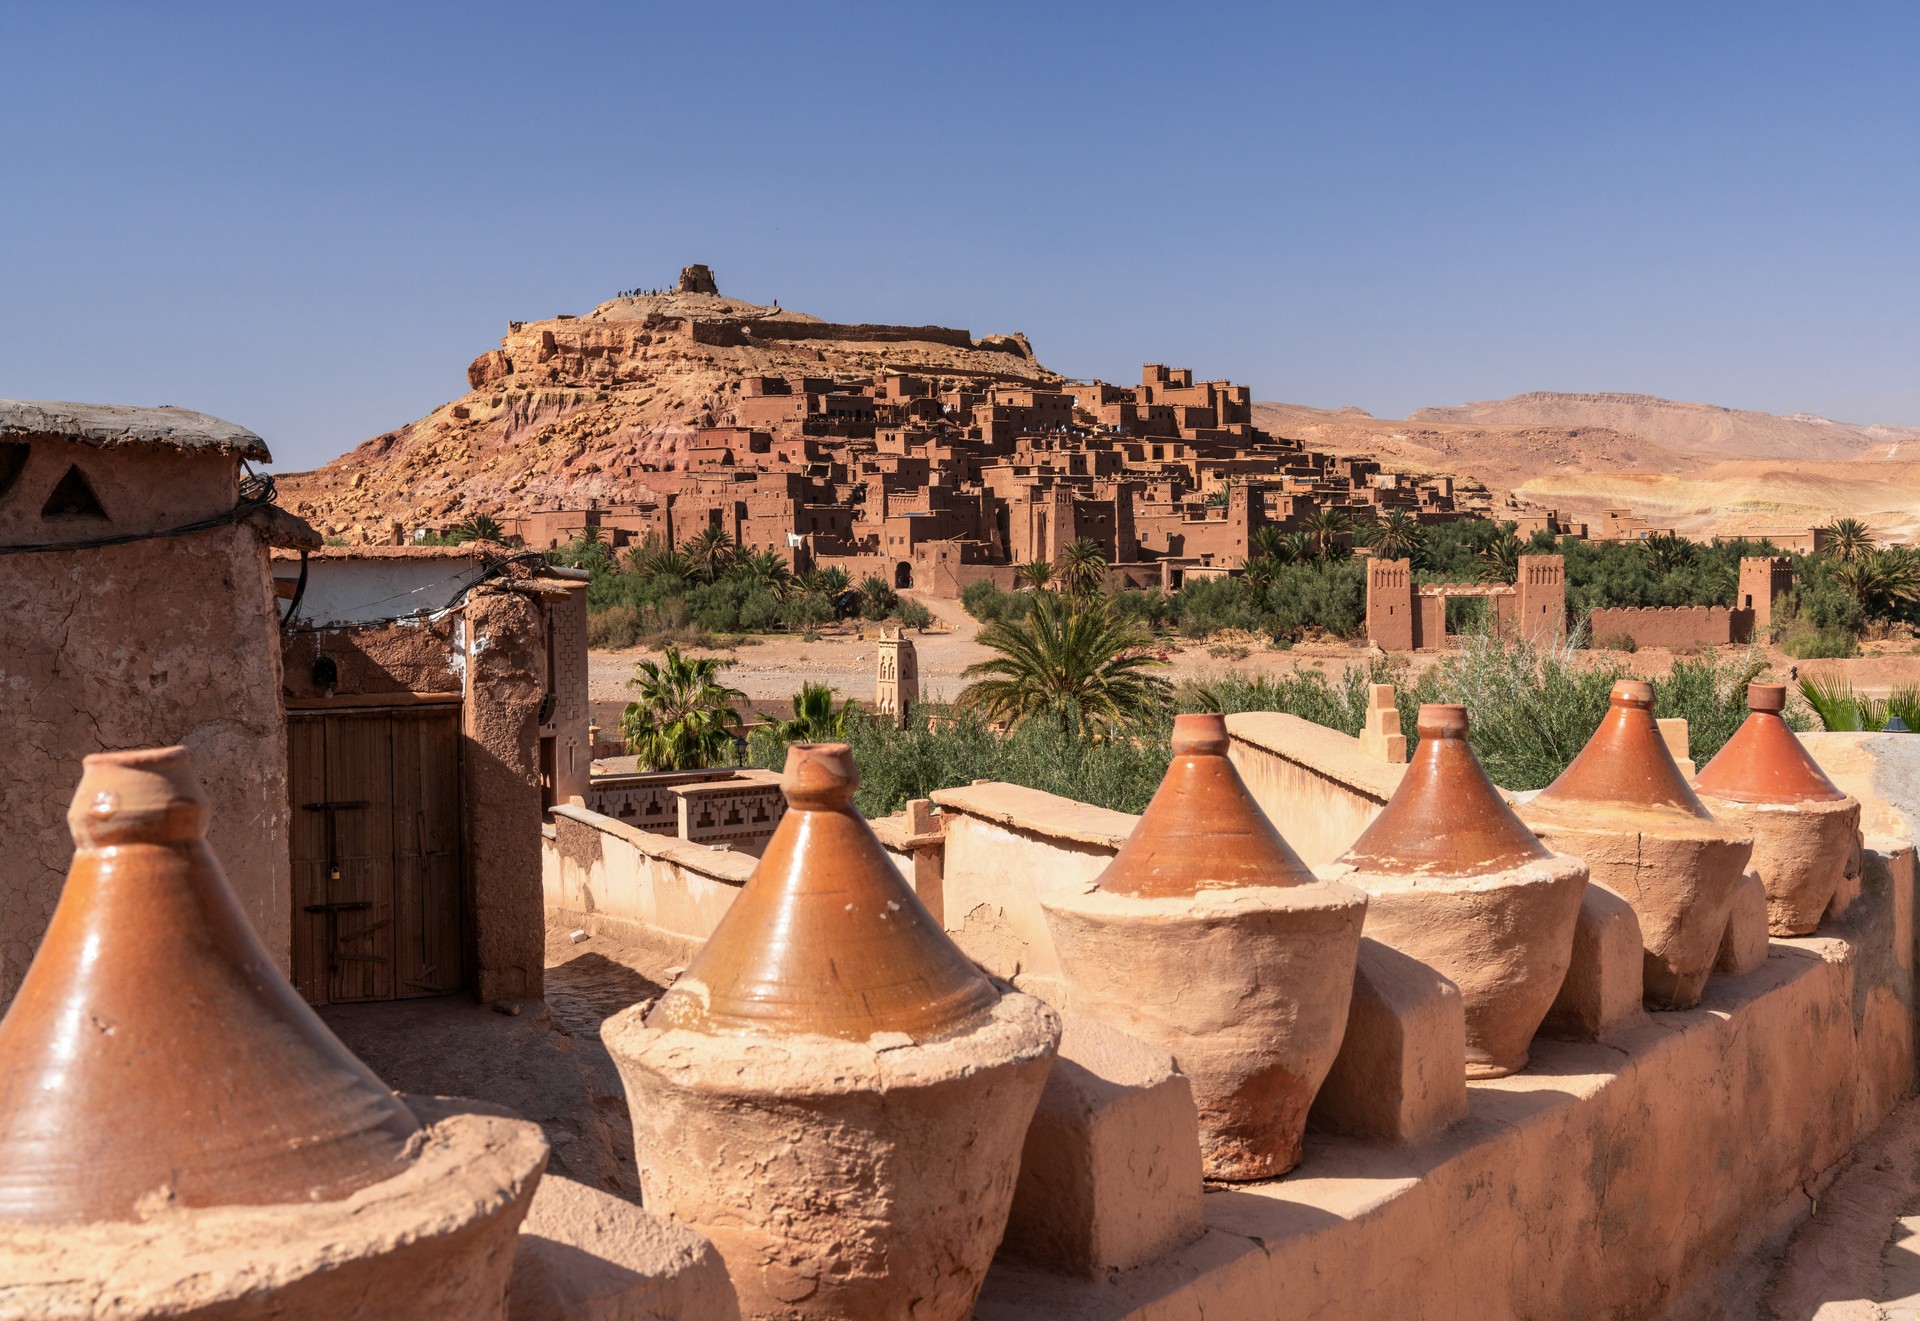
<point>409,703</point>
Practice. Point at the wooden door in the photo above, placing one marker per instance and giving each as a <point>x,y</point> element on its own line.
<point>377,880</point>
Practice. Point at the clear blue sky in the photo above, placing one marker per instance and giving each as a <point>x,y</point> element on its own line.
<point>309,218</point>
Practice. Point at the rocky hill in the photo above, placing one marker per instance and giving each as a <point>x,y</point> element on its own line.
<point>577,408</point>
<point>582,408</point>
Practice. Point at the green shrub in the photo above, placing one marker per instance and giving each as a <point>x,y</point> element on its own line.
<point>912,614</point>
<point>1617,642</point>
<point>988,604</point>
<point>1802,641</point>
<point>899,764</point>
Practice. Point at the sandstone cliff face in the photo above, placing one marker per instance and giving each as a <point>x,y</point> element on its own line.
<point>579,408</point>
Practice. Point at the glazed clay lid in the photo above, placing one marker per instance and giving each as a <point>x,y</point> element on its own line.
<point>1764,761</point>
<point>1202,831</point>
<point>1446,819</point>
<point>826,938</point>
<point>155,1056</point>
<point>1624,766</point>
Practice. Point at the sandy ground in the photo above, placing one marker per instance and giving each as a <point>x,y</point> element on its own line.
<point>771,669</point>
<point>545,1063</point>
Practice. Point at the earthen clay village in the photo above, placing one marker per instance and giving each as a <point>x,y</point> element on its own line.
<point>354,967</point>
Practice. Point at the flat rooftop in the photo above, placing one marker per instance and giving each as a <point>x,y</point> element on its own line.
<point>123,424</point>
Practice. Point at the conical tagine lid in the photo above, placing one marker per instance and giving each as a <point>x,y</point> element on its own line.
<point>826,938</point>
<point>1625,763</point>
<point>1446,818</point>
<point>155,1056</point>
<point>1202,831</point>
<point>1764,761</point>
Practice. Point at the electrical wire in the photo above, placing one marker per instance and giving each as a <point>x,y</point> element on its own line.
<point>256,492</point>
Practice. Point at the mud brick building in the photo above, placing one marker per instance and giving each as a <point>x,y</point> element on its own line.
<point>935,481</point>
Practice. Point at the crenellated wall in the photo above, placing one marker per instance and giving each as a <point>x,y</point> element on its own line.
<point>1676,626</point>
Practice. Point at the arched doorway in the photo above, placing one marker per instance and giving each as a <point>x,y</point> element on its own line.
<point>903,576</point>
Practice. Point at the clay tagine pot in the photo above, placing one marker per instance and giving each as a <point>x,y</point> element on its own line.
<point>1207,936</point>
<point>181,1136</point>
<point>1805,831</point>
<point>1455,880</point>
<point>832,1092</point>
<point>1623,806</point>
<point>154,1054</point>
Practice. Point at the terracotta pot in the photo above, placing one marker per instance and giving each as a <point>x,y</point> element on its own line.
<point>155,1056</point>
<point>1805,831</point>
<point>180,1136</point>
<point>1208,937</point>
<point>1454,879</point>
<point>1624,808</point>
<point>832,1093</point>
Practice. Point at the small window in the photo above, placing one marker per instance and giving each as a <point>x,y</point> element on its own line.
<point>73,497</point>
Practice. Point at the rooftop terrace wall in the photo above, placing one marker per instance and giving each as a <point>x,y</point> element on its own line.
<point>1606,1179</point>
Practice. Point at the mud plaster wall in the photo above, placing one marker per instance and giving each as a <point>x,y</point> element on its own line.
<point>156,642</point>
<point>1315,785</point>
<point>500,786</point>
<point>1600,1182</point>
<point>597,865</point>
<point>993,875</point>
<point>422,656</point>
<point>141,488</point>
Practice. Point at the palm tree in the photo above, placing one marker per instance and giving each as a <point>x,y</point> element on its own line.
<point>1500,561</point>
<point>1036,574</point>
<point>1299,548</point>
<point>763,568</point>
<point>1848,539</point>
<point>1667,552</point>
<point>1882,581</point>
<point>1220,496</point>
<point>815,718</point>
<point>1258,575</point>
<point>832,582</point>
<point>1083,567</point>
<point>1065,661</point>
<point>683,718</point>
<point>1395,537</point>
<point>481,527</point>
<point>1270,543</point>
<point>709,551</point>
<point>877,597</point>
<point>1326,526</point>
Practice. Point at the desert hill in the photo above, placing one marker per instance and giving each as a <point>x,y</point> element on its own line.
<point>1702,431</point>
<point>1699,468</point>
<point>578,408</point>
